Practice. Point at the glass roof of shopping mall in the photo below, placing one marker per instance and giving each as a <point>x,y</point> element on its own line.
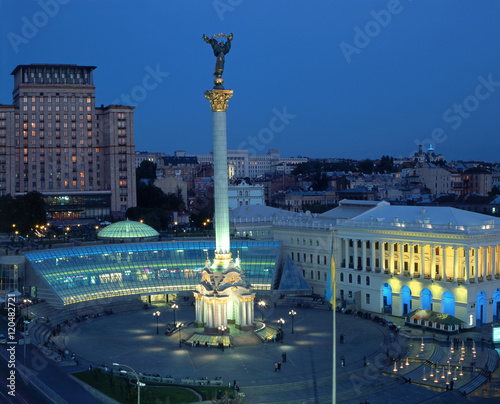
<point>110,270</point>
<point>127,229</point>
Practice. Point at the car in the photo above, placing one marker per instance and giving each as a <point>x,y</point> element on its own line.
<point>3,340</point>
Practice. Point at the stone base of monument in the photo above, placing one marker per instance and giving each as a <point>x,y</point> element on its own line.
<point>246,327</point>
<point>215,331</point>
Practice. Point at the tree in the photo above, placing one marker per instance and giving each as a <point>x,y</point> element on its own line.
<point>146,170</point>
<point>7,209</point>
<point>29,211</point>
<point>366,166</point>
<point>386,164</point>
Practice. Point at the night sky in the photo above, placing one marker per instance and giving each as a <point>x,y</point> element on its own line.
<point>354,79</point>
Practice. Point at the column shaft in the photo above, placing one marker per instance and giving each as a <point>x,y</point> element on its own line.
<point>363,259</point>
<point>455,264</point>
<point>355,257</point>
<point>221,202</point>
<point>346,252</point>
<point>412,259</point>
<point>372,260</point>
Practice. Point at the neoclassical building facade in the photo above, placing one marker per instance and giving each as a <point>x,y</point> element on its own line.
<point>396,259</point>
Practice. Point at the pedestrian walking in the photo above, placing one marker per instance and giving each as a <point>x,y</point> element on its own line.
<point>365,361</point>
<point>342,361</point>
<point>451,384</point>
<point>283,356</point>
<point>275,367</point>
<point>279,366</point>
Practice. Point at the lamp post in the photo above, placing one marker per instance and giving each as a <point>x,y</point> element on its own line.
<point>262,304</point>
<point>179,326</point>
<point>292,313</point>
<point>157,315</point>
<point>137,378</point>
<point>222,328</point>
<point>26,301</point>
<point>175,307</point>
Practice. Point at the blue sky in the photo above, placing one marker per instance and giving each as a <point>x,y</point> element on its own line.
<point>355,79</point>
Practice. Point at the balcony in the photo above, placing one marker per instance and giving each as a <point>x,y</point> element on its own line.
<point>406,274</point>
<point>378,270</point>
<point>460,281</point>
<point>480,278</point>
<point>497,276</point>
<point>438,278</point>
<point>427,276</point>
<point>488,277</point>
<point>449,279</point>
<point>387,272</point>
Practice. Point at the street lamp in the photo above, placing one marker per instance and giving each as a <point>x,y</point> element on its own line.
<point>262,304</point>
<point>26,301</point>
<point>179,326</point>
<point>222,328</point>
<point>139,384</point>
<point>174,306</point>
<point>157,315</point>
<point>292,313</point>
<point>281,323</point>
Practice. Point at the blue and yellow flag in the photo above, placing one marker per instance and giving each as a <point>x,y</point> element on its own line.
<point>330,287</point>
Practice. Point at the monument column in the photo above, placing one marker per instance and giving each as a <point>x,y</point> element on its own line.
<point>218,98</point>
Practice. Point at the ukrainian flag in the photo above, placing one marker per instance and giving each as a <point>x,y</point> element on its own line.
<point>330,286</point>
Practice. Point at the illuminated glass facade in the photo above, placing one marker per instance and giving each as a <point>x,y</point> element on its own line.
<point>103,271</point>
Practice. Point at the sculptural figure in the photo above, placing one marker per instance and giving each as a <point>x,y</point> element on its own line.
<point>220,50</point>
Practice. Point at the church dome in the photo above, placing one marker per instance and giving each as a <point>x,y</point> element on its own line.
<point>128,230</point>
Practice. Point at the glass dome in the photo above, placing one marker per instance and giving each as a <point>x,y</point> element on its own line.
<point>128,229</point>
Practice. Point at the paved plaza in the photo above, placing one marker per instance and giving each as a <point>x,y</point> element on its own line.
<point>306,377</point>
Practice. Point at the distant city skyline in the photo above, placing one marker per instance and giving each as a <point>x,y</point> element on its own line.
<point>324,79</point>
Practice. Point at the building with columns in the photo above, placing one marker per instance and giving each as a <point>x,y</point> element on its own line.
<point>396,259</point>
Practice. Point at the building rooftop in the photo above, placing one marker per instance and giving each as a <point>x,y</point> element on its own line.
<point>51,65</point>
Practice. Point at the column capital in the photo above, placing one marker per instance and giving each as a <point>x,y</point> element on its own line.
<point>218,99</point>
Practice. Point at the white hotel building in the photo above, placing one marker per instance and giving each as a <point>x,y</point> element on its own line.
<point>393,258</point>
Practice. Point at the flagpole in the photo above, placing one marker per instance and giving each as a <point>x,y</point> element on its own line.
<point>333,301</point>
